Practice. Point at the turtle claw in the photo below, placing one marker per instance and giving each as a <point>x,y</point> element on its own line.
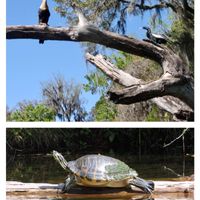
<point>60,188</point>
<point>65,188</point>
<point>69,182</point>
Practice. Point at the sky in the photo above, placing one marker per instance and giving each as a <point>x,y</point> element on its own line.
<point>29,64</point>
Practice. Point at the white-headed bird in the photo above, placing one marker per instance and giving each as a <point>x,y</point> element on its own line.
<point>155,38</point>
<point>44,15</point>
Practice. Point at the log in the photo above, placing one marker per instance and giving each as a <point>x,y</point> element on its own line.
<point>163,189</point>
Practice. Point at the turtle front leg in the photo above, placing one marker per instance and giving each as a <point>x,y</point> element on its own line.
<point>69,182</point>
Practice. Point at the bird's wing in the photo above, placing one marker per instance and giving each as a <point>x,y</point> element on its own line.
<point>158,36</point>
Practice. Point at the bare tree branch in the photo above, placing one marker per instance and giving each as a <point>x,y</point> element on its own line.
<point>182,134</point>
<point>175,80</point>
<point>113,72</point>
<point>170,62</point>
<point>178,109</point>
<point>87,34</point>
<point>144,7</point>
<point>158,88</point>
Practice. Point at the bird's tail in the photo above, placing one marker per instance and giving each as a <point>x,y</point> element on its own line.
<point>146,186</point>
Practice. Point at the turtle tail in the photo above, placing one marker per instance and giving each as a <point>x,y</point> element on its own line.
<point>146,186</point>
<point>60,159</point>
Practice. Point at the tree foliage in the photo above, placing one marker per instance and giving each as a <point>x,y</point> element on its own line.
<point>104,110</point>
<point>97,140</point>
<point>182,40</point>
<point>65,99</point>
<point>97,82</point>
<point>112,15</point>
<point>156,115</point>
<point>32,140</point>
<point>103,13</point>
<point>31,111</point>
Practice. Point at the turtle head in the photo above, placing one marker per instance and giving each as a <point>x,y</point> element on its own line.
<point>60,159</point>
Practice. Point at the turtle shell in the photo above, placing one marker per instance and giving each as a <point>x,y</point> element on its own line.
<point>99,168</point>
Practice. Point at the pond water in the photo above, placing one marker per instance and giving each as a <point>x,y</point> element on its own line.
<point>44,169</point>
<point>40,168</point>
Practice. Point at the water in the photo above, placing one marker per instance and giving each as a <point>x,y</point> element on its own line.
<point>27,168</point>
<point>44,169</point>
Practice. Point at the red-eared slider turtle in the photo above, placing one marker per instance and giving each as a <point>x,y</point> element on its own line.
<point>101,171</point>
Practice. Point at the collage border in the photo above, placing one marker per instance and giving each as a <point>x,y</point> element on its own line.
<point>4,124</point>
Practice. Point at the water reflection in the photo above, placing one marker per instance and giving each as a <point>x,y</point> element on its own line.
<point>38,168</point>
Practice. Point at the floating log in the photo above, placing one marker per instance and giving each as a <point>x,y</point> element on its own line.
<point>163,189</point>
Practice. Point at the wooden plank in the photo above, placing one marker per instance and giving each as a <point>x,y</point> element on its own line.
<point>34,191</point>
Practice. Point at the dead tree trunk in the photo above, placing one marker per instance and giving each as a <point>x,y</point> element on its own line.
<point>169,103</point>
<point>175,81</point>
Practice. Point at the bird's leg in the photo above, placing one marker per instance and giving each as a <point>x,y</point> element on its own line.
<point>42,24</point>
<point>69,182</point>
<point>45,25</point>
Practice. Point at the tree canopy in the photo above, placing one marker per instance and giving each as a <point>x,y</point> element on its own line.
<point>30,112</point>
<point>64,98</point>
<point>99,140</point>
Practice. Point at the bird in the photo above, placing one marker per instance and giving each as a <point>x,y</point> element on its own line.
<point>155,38</point>
<point>43,15</point>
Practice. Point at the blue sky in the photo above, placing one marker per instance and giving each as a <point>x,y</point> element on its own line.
<point>29,64</point>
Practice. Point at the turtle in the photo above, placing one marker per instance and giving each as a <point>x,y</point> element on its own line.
<point>97,170</point>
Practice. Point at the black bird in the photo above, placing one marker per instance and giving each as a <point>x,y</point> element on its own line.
<point>44,15</point>
<point>155,38</point>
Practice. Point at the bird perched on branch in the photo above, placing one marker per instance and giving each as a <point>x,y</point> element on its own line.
<point>155,38</point>
<point>44,15</point>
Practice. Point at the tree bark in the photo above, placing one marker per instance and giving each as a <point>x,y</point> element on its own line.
<point>175,81</point>
<point>177,108</point>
